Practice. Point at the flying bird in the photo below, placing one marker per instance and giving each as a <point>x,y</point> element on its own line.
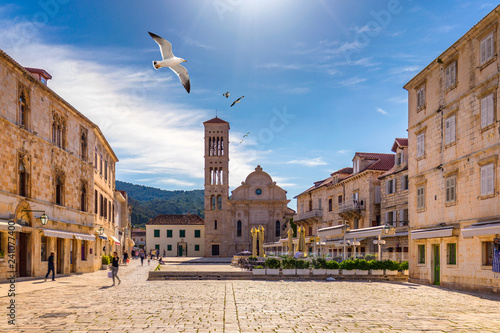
<point>226,94</point>
<point>244,136</point>
<point>237,101</point>
<point>169,60</point>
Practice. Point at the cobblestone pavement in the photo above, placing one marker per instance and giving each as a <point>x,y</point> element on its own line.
<point>86,303</point>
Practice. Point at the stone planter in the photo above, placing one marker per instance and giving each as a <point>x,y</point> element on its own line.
<point>377,272</point>
<point>259,271</point>
<point>319,271</point>
<point>303,271</point>
<point>406,272</point>
<point>333,271</point>
<point>272,271</point>
<point>362,272</point>
<point>288,271</point>
<point>388,272</point>
<point>348,272</point>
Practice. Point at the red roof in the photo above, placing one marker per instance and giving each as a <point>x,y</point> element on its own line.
<point>346,171</point>
<point>384,162</point>
<point>189,219</point>
<point>399,142</point>
<point>42,72</point>
<point>216,120</point>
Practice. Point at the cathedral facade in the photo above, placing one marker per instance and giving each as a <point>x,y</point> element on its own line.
<point>258,201</point>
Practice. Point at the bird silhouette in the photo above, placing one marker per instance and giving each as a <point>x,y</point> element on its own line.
<point>237,101</point>
<point>226,94</point>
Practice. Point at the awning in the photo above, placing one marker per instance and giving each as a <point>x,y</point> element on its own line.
<point>336,230</point>
<point>103,236</point>
<point>365,232</point>
<point>117,242</point>
<point>57,233</point>
<point>86,237</point>
<point>276,244</point>
<point>5,226</point>
<point>397,234</point>
<point>480,229</point>
<point>432,233</point>
<point>336,243</point>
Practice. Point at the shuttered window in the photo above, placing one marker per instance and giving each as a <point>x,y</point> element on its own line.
<point>451,75</point>
<point>487,179</point>
<point>421,97</point>
<point>404,182</point>
<point>487,115</point>
<point>197,233</point>
<point>182,233</point>
<point>451,189</point>
<point>449,130</point>
<point>487,48</point>
<point>157,233</point>
<point>169,233</point>
<point>197,248</point>
<point>421,197</point>
<point>420,145</point>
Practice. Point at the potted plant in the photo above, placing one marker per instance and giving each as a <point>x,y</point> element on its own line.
<point>332,267</point>
<point>289,265</point>
<point>259,270</point>
<point>319,266</point>
<point>273,266</point>
<point>302,267</point>
<point>348,267</point>
<point>362,267</point>
<point>105,260</point>
<point>391,267</point>
<point>376,267</point>
<point>404,267</point>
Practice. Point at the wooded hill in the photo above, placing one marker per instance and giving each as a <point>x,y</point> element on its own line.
<point>148,202</point>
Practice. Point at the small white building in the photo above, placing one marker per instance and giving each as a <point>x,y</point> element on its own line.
<point>176,235</point>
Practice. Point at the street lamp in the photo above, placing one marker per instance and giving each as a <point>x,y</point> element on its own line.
<point>386,229</point>
<point>101,231</point>
<point>43,218</point>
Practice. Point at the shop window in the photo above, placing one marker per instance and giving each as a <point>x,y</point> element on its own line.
<point>452,253</point>
<point>421,254</point>
<point>43,249</point>
<point>487,253</point>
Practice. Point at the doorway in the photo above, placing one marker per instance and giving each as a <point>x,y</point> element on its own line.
<point>72,255</point>
<point>436,265</point>
<point>181,250</point>
<point>215,249</point>
<point>23,254</point>
<point>60,256</point>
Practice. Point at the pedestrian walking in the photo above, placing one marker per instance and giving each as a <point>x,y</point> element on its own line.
<point>114,267</point>
<point>142,254</point>
<point>51,267</point>
<point>125,258</point>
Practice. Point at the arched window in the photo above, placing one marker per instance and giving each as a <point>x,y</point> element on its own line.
<point>219,202</point>
<point>212,201</point>
<point>83,198</point>
<point>23,180</point>
<point>215,224</point>
<point>277,229</point>
<point>238,229</point>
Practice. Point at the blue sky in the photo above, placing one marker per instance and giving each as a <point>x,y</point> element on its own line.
<point>321,79</point>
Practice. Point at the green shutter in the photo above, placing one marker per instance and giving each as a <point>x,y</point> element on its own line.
<point>157,233</point>
<point>169,247</point>
<point>197,248</point>
<point>169,233</point>
<point>182,233</point>
<point>197,233</point>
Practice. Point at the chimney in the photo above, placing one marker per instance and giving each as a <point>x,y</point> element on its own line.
<point>39,74</point>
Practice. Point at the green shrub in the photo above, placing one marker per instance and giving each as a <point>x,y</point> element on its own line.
<point>302,264</point>
<point>250,259</point>
<point>362,264</point>
<point>338,258</point>
<point>348,265</point>
<point>2,254</point>
<point>273,263</point>
<point>370,257</point>
<point>289,263</point>
<point>390,265</point>
<point>404,266</point>
<point>106,260</point>
<point>259,267</point>
<point>332,264</point>
<point>375,264</point>
<point>319,263</point>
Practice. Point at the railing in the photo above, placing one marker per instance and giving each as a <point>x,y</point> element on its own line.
<point>308,215</point>
<point>351,204</point>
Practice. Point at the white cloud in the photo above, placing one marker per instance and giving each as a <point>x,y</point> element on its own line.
<point>343,151</point>
<point>135,107</point>
<point>382,111</point>
<point>308,162</point>
<point>352,81</point>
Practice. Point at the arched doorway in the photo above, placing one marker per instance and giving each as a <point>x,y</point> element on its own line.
<point>24,240</point>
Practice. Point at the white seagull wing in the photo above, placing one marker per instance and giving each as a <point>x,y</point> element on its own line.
<point>165,46</point>
<point>182,73</point>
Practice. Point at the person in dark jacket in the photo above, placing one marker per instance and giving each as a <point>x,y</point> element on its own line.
<point>114,267</point>
<point>51,267</point>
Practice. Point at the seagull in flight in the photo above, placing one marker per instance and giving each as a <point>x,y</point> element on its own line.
<point>244,136</point>
<point>237,101</point>
<point>169,60</point>
<point>226,94</point>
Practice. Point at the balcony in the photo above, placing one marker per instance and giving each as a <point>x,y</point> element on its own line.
<point>308,215</point>
<point>351,207</point>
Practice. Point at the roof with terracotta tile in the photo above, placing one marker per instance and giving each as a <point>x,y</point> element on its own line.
<point>346,171</point>
<point>216,120</point>
<point>399,142</point>
<point>392,171</point>
<point>188,219</point>
<point>384,162</point>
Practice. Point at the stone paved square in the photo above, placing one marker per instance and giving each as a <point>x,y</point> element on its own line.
<point>87,303</point>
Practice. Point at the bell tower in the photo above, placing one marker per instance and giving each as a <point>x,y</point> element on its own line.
<point>218,229</point>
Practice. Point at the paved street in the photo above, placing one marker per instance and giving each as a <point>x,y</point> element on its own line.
<point>86,303</point>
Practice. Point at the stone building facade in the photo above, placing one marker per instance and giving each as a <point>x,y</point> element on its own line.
<point>258,201</point>
<point>454,146</point>
<point>176,235</point>
<point>47,162</point>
